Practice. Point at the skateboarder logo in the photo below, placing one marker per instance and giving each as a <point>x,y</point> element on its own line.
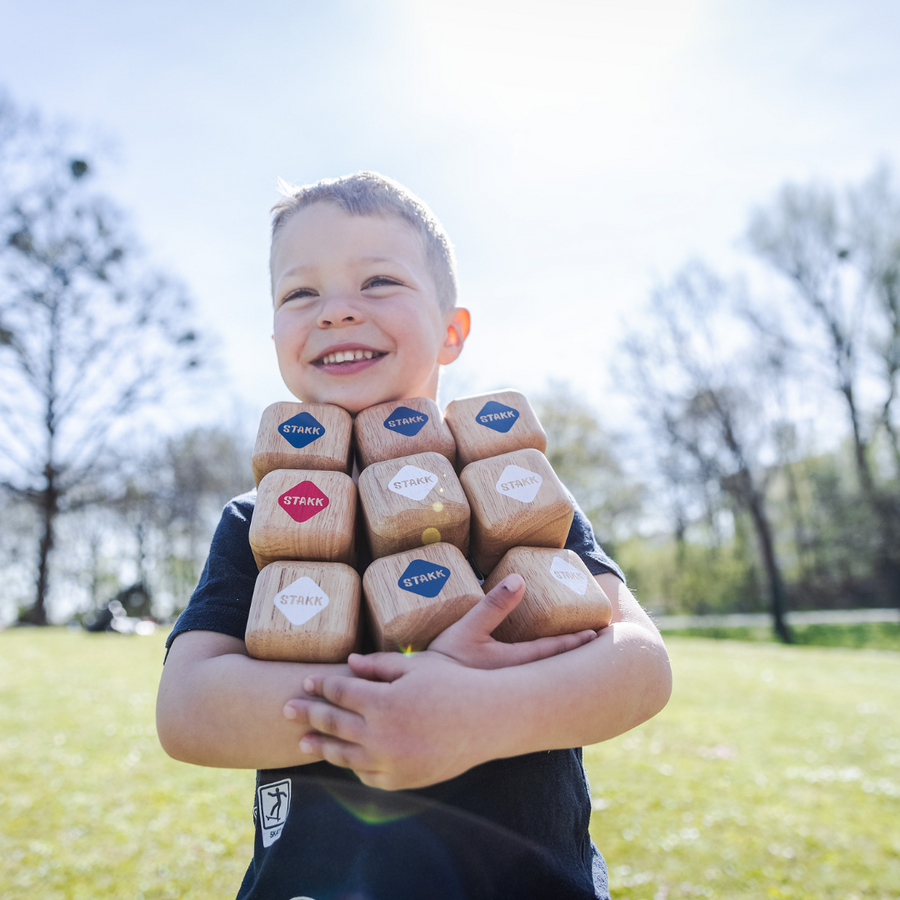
<point>273,803</point>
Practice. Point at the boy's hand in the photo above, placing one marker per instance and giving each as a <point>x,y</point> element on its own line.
<point>402,732</point>
<point>391,722</point>
<point>469,640</point>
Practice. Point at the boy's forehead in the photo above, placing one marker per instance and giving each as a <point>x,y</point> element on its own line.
<point>323,227</point>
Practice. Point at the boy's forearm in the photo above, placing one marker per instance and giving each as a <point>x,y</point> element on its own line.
<point>582,697</point>
<point>217,706</point>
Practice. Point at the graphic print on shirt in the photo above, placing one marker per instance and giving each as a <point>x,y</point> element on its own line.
<point>274,803</point>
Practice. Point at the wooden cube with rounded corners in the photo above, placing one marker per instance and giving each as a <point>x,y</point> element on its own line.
<point>411,597</point>
<point>304,514</point>
<point>305,612</point>
<point>401,428</point>
<point>491,424</point>
<point>302,436</point>
<point>412,501</point>
<point>561,595</point>
<point>516,500</point>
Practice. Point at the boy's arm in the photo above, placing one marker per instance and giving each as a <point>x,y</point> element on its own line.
<point>425,718</point>
<point>217,706</point>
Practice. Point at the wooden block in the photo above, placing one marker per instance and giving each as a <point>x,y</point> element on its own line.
<point>561,595</point>
<point>302,436</point>
<point>400,428</point>
<point>305,612</point>
<point>412,501</point>
<point>516,500</point>
<point>490,424</point>
<point>413,596</point>
<point>306,515</point>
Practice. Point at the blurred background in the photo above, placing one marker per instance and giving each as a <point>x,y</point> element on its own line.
<point>677,227</point>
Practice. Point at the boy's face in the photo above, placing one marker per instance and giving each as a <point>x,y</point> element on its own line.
<point>357,319</point>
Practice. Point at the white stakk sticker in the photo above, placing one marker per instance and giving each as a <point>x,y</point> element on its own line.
<point>413,482</point>
<point>568,575</point>
<point>301,600</point>
<point>519,483</point>
<point>273,803</point>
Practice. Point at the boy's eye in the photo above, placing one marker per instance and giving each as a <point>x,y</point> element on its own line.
<point>380,281</point>
<point>299,294</point>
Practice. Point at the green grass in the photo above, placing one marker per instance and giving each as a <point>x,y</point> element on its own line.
<point>773,772</point>
<point>864,636</point>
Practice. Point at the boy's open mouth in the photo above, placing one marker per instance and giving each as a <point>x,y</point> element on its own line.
<point>347,357</point>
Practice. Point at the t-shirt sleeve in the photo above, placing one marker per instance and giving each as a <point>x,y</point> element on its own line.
<point>221,601</point>
<point>581,540</point>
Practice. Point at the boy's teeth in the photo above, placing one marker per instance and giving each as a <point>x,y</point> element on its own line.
<point>346,356</point>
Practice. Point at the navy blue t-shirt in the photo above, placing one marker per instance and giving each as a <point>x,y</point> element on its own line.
<point>510,828</point>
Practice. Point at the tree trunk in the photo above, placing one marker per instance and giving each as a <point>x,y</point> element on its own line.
<point>49,506</point>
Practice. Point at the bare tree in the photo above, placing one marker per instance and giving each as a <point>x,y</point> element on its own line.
<point>700,399</point>
<point>841,258</point>
<point>88,333</point>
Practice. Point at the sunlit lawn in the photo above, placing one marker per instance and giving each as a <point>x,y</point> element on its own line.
<point>774,772</point>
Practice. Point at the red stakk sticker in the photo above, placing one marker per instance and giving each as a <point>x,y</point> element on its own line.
<point>303,501</point>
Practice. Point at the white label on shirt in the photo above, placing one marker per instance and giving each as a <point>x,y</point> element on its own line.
<point>413,482</point>
<point>301,600</point>
<point>567,574</point>
<point>519,483</point>
<point>273,803</point>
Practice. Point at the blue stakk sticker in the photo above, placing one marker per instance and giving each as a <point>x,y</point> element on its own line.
<point>301,430</point>
<point>424,578</point>
<point>497,416</point>
<point>406,421</point>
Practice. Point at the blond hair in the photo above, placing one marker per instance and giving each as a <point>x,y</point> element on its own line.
<point>372,194</point>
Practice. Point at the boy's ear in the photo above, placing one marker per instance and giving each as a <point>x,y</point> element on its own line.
<point>457,332</point>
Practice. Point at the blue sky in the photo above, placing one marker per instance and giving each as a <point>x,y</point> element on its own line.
<point>576,152</point>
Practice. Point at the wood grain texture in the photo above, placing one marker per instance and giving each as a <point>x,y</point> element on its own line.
<point>329,593</point>
<point>400,615</point>
<point>502,520</point>
<point>561,595</point>
<point>279,426</point>
<point>474,427</point>
<point>384,431</point>
<point>400,516</point>
<point>292,521</point>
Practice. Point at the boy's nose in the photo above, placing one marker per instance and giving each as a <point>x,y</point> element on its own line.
<point>337,311</point>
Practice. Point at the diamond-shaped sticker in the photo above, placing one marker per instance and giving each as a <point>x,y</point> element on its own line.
<point>301,600</point>
<point>424,578</point>
<point>567,574</point>
<point>301,430</point>
<point>303,501</point>
<point>413,482</point>
<point>497,416</point>
<point>519,483</point>
<point>406,421</point>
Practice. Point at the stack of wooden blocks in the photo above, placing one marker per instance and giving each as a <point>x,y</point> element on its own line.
<point>505,510</point>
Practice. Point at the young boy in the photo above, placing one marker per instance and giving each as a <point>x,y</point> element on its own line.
<point>448,773</point>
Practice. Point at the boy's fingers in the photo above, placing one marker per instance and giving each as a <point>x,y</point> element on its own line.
<point>379,666</point>
<point>497,604</point>
<point>346,693</point>
<point>541,648</point>
<point>334,721</point>
<point>337,752</point>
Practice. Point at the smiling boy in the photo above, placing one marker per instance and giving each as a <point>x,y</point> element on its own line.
<point>477,735</point>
